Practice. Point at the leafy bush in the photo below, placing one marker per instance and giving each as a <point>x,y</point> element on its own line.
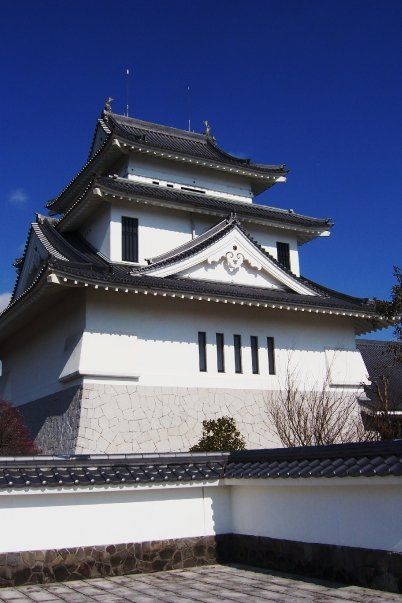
<point>219,435</point>
<point>14,436</point>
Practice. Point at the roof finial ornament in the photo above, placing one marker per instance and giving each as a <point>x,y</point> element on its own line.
<point>108,104</point>
<point>208,130</point>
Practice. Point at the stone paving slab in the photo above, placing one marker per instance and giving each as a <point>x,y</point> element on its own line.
<point>208,584</point>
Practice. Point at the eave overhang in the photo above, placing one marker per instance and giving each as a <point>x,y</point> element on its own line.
<point>53,278</point>
<point>260,180</point>
<point>364,321</point>
<point>105,157</point>
<point>98,192</point>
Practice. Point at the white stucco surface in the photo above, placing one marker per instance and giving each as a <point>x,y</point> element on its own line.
<point>155,339</point>
<point>162,229</point>
<point>68,519</point>
<point>345,511</point>
<point>172,172</point>
<point>47,348</point>
<point>356,512</point>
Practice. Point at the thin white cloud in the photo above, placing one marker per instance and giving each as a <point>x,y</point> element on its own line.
<point>18,196</point>
<point>4,300</point>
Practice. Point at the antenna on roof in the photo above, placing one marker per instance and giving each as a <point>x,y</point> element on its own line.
<point>189,107</point>
<point>127,89</point>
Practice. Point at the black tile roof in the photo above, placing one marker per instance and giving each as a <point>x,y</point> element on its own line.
<point>375,459</point>
<point>380,358</point>
<point>192,144</point>
<point>178,198</point>
<point>84,263</point>
<point>148,137</point>
<point>121,275</point>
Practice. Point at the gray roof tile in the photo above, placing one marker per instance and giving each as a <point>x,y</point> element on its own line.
<point>373,459</point>
<point>185,199</point>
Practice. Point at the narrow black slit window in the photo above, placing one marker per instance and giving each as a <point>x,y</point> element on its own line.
<point>254,354</point>
<point>202,350</point>
<point>283,254</point>
<point>220,352</point>
<point>237,353</point>
<point>129,238</point>
<point>271,355</point>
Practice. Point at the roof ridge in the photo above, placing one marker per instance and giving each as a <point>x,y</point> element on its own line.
<point>155,127</point>
<point>211,233</point>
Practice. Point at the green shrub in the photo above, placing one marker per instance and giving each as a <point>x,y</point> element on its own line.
<point>219,435</point>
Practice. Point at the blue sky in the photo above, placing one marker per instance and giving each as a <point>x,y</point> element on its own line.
<point>315,84</point>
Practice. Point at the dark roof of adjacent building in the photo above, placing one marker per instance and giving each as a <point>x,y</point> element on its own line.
<point>375,459</point>
<point>382,360</point>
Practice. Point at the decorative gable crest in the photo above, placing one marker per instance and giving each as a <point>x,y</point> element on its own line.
<point>226,253</point>
<point>234,259</point>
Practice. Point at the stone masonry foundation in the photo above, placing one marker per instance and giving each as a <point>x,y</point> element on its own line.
<point>110,419</point>
<point>365,567</point>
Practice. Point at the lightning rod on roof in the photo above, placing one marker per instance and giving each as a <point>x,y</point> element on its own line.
<point>127,89</point>
<point>189,107</point>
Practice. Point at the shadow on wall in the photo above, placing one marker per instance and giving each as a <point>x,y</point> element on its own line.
<point>53,421</point>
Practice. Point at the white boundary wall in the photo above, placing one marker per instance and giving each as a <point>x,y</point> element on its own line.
<point>356,512</point>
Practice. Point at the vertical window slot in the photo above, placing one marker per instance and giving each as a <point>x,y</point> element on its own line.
<point>271,355</point>
<point>283,254</point>
<point>254,354</point>
<point>220,352</point>
<point>202,351</point>
<point>237,353</point>
<point>129,234</point>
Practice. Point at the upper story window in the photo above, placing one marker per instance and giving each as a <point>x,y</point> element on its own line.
<point>129,239</point>
<point>283,254</point>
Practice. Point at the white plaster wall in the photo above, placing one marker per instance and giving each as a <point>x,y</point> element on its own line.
<point>156,339</point>
<point>97,230</point>
<point>36,357</point>
<point>268,237</point>
<point>244,275</point>
<point>56,520</point>
<point>163,229</point>
<point>346,511</point>
<point>195,176</point>
<point>159,229</point>
<point>356,512</point>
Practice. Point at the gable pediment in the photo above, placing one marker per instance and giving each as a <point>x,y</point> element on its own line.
<point>231,258</point>
<point>35,254</point>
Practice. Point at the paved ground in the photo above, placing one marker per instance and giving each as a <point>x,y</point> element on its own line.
<point>207,585</point>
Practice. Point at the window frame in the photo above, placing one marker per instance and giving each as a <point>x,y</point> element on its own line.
<point>129,248</point>
<point>271,355</point>
<point>283,254</point>
<point>220,352</point>
<point>202,352</point>
<point>238,363</point>
<point>255,362</point>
